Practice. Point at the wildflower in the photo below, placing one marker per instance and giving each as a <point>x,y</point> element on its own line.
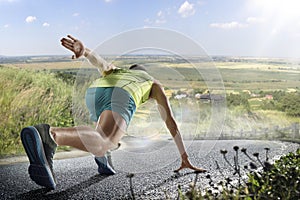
<point>236,148</point>
<point>256,155</point>
<point>130,175</point>
<point>267,151</point>
<point>223,151</point>
<point>244,150</point>
<point>268,166</point>
<point>252,165</point>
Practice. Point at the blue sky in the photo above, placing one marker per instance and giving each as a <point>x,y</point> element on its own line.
<point>265,28</point>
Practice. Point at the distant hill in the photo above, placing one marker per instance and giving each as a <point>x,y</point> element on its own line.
<point>34,59</point>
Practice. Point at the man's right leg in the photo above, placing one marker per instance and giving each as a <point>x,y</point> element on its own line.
<point>98,142</point>
<point>84,138</point>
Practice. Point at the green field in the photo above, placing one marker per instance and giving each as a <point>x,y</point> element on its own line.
<point>51,89</point>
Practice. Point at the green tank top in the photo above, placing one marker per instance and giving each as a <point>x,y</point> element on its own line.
<point>137,83</point>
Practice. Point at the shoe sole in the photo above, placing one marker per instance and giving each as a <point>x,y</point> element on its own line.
<point>39,169</point>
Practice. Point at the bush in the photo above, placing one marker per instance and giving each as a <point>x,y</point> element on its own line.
<point>238,100</point>
<point>280,180</point>
<point>283,101</point>
<point>28,97</point>
<point>290,103</point>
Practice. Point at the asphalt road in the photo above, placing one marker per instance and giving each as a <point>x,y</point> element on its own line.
<point>153,171</point>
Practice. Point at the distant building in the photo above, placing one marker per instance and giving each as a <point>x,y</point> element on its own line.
<point>269,97</point>
<point>211,97</point>
<point>197,96</point>
<point>205,97</point>
<point>180,96</point>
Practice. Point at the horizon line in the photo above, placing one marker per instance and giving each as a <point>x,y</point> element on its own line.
<point>188,55</point>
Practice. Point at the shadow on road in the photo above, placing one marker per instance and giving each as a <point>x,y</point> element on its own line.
<point>34,194</point>
<point>165,181</point>
<point>65,194</point>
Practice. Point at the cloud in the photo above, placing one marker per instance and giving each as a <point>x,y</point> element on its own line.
<point>45,24</point>
<point>186,9</point>
<point>75,14</point>
<point>161,18</point>
<point>255,20</point>
<point>30,19</point>
<point>154,22</point>
<point>229,25</point>
<point>235,24</point>
<point>160,21</point>
<point>6,26</point>
<point>160,14</point>
<point>147,21</point>
<point>107,1</point>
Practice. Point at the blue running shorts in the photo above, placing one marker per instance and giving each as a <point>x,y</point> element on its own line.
<point>115,99</point>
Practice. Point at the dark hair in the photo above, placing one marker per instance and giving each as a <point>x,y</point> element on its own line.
<point>137,67</point>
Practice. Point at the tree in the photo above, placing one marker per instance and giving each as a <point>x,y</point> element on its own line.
<point>238,100</point>
<point>290,103</point>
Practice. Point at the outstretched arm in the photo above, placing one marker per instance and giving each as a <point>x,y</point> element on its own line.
<point>77,47</point>
<point>157,92</point>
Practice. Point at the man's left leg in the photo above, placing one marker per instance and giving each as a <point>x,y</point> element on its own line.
<point>114,126</point>
<point>40,148</point>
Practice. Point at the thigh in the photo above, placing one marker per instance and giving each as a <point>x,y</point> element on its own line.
<point>112,125</point>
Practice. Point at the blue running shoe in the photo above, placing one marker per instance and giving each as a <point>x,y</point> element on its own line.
<point>40,149</point>
<point>105,165</point>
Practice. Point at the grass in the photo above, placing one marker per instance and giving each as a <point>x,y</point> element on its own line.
<point>27,98</point>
